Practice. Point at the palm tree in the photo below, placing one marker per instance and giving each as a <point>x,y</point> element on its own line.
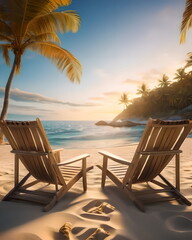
<point>143,90</point>
<point>164,82</point>
<point>186,20</point>
<point>180,74</point>
<point>124,100</point>
<point>173,100</point>
<point>33,24</point>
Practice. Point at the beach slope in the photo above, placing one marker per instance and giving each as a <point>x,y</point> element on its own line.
<point>106,213</point>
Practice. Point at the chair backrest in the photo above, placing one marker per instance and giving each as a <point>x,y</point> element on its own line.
<point>29,141</point>
<point>158,136</point>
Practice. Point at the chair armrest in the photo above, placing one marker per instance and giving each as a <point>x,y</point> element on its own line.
<point>75,159</point>
<point>114,157</point>
<point>33,153</point>
<point>57,150</point>
<point>56,153</point>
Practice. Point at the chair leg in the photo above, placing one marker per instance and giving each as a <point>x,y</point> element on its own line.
<point>16,187</point>
<point>176,192</point>
<point>134,199</point>
<point>16,170</point>
<point>104,171</point>
<point>177,172</point>
<point>84,167</point>
<point>126,190</point>
<point>62,191</point>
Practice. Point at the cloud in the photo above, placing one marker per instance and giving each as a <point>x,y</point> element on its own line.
<point>28,112</point>
<point>149,77</point>
<point>102,73</point>
<point>112,94</point>
<point>97,98</point>
<point>23,96</point>
<point>132,81</point>
<point>17,108</point>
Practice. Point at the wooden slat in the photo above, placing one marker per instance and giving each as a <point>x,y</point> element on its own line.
<point>153,164</point>
<point>35,160</point>
<point>9,136</point>
<point>37,140</point>
<point>22,142</point>
<point>162,161</point>
<point>37,192</point>
<point>141,146</point>
<point>30,184</point>
<point>43,135</point>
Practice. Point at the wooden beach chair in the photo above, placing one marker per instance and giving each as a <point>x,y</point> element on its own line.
<point>160,142</point>
<point>31,146</point>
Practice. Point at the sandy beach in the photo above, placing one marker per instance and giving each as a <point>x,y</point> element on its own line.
<point>120,219</point>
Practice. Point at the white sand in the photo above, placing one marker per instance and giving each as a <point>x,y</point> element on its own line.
<point>26,221</point>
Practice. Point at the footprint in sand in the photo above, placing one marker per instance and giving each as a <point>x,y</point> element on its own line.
<point>180,224</point>
<point>99,233</point>
<point>97,210</point>
<point>65,231</point>
<point>99,207</point>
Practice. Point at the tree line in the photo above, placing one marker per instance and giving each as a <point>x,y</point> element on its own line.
<point>167,98</point>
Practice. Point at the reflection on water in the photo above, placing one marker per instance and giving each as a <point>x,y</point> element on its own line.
<point>85,134</point>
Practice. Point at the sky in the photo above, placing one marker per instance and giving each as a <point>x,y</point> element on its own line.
<point>120,44</point>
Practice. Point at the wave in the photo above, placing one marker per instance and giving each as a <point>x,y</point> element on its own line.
<point>88,134</point>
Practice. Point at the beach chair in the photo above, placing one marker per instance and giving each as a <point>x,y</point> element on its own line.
<point>31,146</point>
<point>160,142</point>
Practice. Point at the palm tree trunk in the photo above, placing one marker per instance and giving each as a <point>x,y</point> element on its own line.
<point>6,97</point>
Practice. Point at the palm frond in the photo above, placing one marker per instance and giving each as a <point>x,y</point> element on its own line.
<point>5,38</point>
<point>60,3</point>
<point>63,59</point>
<point>6,55</point>
<point>50,36</point>
<point>55,21</point>
<point>20,12</point>
<point>189,60</point>
<point>186,20</point>
<point>6,29</point>
<point>5,52</point>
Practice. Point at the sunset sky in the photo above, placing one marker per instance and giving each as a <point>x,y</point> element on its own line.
<point>121,44</point>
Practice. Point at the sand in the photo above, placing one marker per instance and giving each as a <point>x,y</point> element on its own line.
<point>118,218</point>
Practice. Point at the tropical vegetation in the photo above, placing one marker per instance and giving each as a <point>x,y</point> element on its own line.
<point>168,98</point>
<point>33,25</point>
<point>124,100</point>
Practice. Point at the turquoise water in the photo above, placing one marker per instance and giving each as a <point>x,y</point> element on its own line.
<point>85,134</point>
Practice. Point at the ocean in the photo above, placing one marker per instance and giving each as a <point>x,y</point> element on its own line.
<point>85,134</point>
